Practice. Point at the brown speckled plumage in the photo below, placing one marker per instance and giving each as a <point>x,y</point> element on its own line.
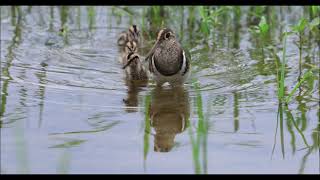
<point>167,60</point>
<point>168,57</point>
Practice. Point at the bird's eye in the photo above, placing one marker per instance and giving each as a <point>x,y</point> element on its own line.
<point>168,35</point>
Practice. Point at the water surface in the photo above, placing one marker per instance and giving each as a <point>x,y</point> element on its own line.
<point>66,108</point>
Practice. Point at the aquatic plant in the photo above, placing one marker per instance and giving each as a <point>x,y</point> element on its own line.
<point>91,13</point>
<point>260,31</point>
<point>205,21</point>
<point>281,77</point>
<point>290,120</point>
<point>200,140</point>
<point>147,130</point>
<point>214,25</point>
<point>5,71</point>
<point>308,74</point>
<point>299,30</point>
<point>64,29</point>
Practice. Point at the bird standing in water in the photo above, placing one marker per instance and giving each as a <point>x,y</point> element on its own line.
<point>167,60</point>
<point>132,63</point>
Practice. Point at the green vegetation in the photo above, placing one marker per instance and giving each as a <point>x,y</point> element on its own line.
<point>218,38</point>
<point>261,32</point>
<point>199,143</point>
<point>147,130</point>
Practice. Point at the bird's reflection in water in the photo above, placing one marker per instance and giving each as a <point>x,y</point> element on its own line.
<point>134,87</point>
<point>169,112</point>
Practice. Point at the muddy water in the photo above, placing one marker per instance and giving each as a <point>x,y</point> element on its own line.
<point>66,108</point>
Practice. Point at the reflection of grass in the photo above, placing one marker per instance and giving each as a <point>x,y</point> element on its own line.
<point>292,124</point>
<point>200,141</point>
<point>293,127</point>
<point>64,162</point>
<point>292,133</point>
<point>303,78</point>
<point>314,147</point>
<point>146,136</point>
<point>236,111</point>
<point>281,129</point>
<point>21,145</point>
<point>63,165</point>
<point>16,40</point>
<point>69,144</point>
<point>42,76</point>
<point>290,120</point>
<point>21,148</point>
<point>104,128</point>
<point>195,151</point>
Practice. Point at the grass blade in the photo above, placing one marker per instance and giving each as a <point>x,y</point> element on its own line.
<point>304,77</point>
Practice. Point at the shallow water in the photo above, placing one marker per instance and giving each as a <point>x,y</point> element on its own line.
<point>66,108</point>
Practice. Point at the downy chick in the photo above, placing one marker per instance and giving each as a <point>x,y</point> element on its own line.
<point>133,34</point>
<point>132,63</point>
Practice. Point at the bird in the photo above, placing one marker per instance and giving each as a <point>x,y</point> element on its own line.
<point>131,46</point>
<point>132,63</point>
<point>167,60</point>
<point>133,34</point>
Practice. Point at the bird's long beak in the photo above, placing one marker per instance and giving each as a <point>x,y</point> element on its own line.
<point>126,65</point>
<point>152,50</point>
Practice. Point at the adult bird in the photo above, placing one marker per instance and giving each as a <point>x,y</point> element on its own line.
<point>167,60</point>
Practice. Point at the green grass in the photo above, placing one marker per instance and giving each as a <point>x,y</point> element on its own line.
<point>260,32</point>
<point>16,19</point>
<point>281,84</point>
<point>199,143</point>
<point>281,78</point>
<point>299,29</point>
<point>205,21</point>
<point>285,99</point>
<point>91,17</point>
<point>146,137</point>
<point>308,74</point>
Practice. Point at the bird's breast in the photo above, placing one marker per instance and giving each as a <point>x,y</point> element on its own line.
<point>168,58</point>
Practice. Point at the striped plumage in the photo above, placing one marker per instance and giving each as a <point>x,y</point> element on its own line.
<point>132,63</point>
<point>133,34</point>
